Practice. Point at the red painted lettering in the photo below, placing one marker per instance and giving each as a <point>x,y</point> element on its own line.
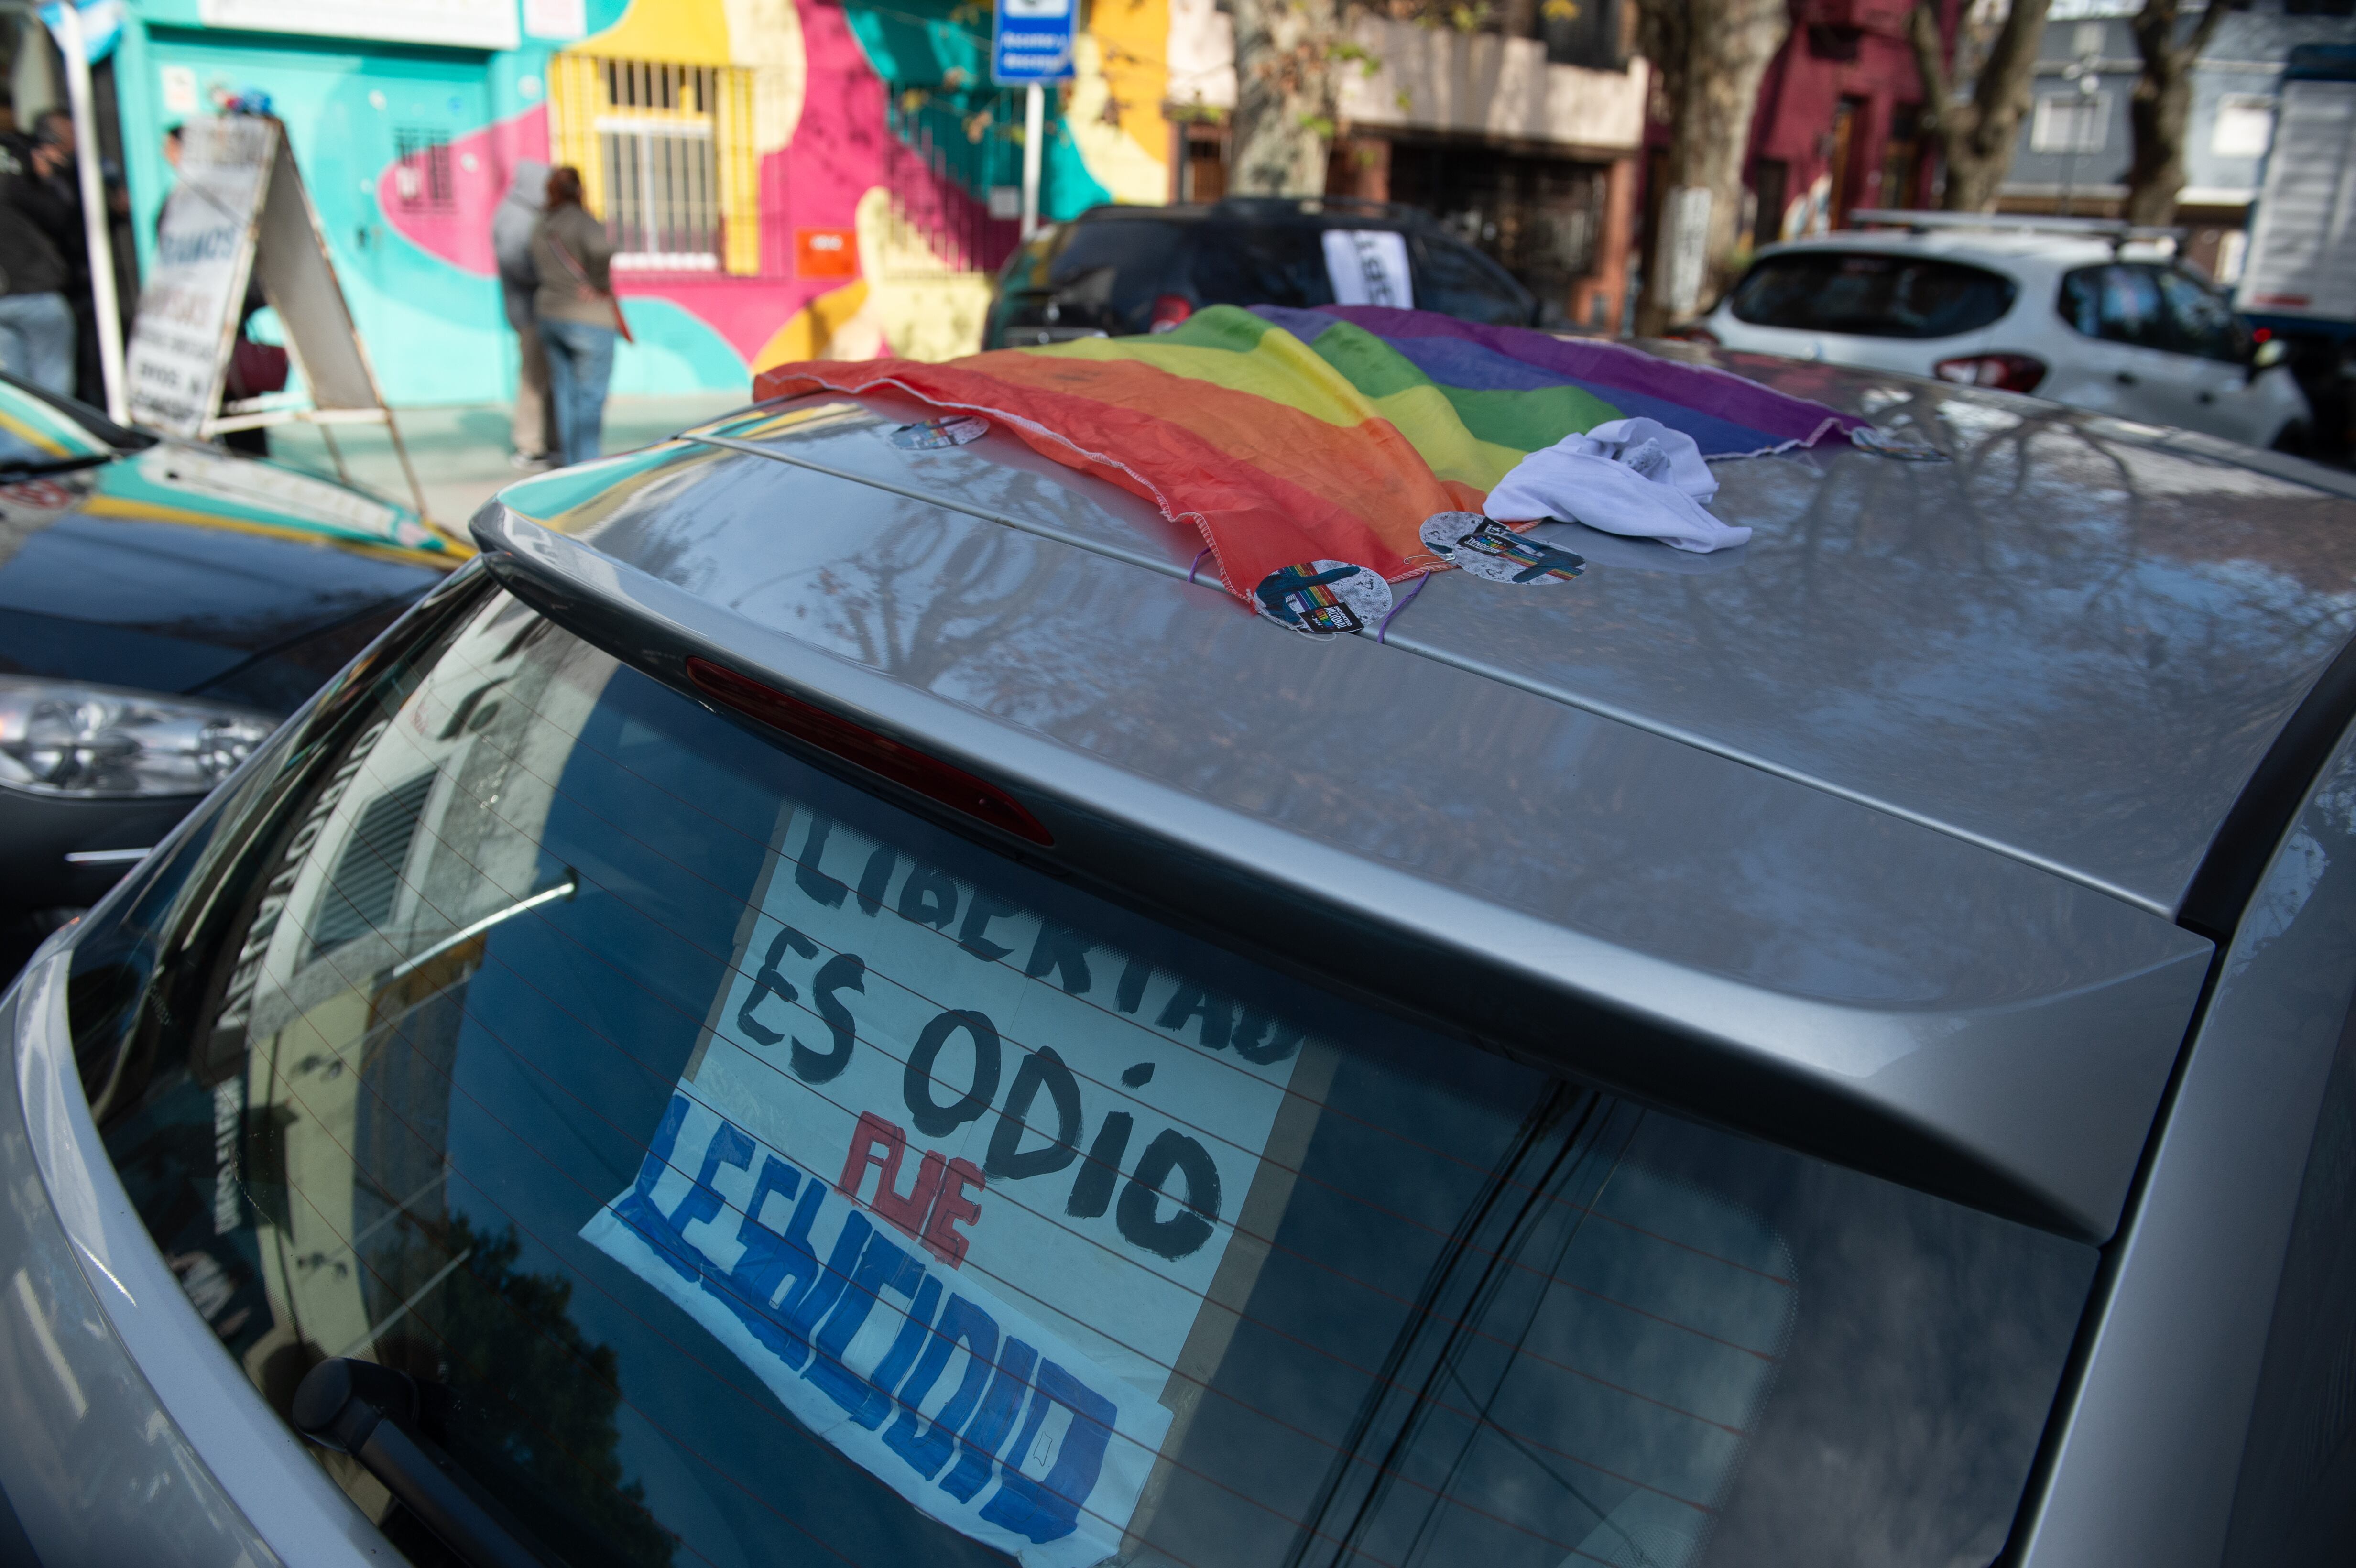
<point>877,1143</point>
<point>908,1214</point>
<point>951,1209</point>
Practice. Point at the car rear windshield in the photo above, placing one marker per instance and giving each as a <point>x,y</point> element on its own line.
<point>773,1176</point>
<point>1261,263</point>
<point>1871,294</point>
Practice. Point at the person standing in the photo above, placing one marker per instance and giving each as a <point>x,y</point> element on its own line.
<point>37,325</point>
<point>533,428</point>
<point>577,314</point>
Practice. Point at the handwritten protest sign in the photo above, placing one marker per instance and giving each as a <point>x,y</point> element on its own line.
<point>954,1181</point>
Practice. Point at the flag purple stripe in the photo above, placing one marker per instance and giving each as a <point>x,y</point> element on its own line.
<point>1704,389</point>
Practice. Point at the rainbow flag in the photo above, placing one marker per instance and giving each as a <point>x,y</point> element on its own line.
<point>1288,436</point>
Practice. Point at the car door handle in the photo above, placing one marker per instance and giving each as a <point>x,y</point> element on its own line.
<point>2205,397</point>
<point>2129,378</point>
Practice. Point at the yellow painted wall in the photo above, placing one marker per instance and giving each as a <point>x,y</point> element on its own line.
<point>1115,110</point>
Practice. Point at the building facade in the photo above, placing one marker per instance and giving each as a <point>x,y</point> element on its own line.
<point>832,178</point>
<point>784,179</point>
<point>1839,121</point>
<point>1522,135</point>
<point>2076,141</point>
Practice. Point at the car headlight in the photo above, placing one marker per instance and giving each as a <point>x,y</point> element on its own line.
<point>64,738</point>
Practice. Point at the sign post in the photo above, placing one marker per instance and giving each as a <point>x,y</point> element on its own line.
<point>240,217</point>
<point>1030,46</point>
<point>76,51</point>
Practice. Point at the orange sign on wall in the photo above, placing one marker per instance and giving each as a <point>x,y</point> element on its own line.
<point>826,252</point>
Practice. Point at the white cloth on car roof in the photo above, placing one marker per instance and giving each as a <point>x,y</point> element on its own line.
<point>1633,476</point>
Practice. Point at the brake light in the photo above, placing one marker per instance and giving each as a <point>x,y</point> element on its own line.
<point>2007,372</point>
<point>1169,310</point>
<point>902,764</point>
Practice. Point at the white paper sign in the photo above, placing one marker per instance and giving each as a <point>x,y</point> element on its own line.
<point>195,291</point>
<point>458,24</point>
<point>953,1181</point>
<point>555,18</point>
<point>1368,266</point>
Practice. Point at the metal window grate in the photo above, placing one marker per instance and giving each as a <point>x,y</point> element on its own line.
<point>421,173</point>
<point>662,191</point>
<point>668,158</point>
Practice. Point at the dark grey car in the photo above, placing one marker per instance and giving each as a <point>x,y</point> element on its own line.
<point>823,1003</point>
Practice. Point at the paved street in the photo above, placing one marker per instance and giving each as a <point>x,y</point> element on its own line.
<point>461,452</point>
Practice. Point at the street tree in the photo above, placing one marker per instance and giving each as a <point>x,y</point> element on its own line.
<point>1976,134</point>
<point>2162,105</point>
<point>1286,53</point>
<point>1710,56</point>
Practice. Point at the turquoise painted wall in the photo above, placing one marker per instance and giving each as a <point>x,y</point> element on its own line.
<point>433,331</point>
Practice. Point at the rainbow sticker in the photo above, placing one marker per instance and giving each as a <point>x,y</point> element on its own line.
<point>1323,598</point>
<point>1487,548</point>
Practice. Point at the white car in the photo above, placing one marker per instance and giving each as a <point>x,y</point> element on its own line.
<point>2074,316</point>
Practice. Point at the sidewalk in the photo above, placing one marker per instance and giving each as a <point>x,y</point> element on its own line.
<point>461,453</point>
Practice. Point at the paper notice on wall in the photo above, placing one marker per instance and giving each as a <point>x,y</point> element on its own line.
<point>954,1181</point>
<point>196,289</point>
<point>1369,266</point>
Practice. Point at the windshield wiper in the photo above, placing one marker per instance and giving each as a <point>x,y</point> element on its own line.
<point>55,465</point>
<point>376,1416</point>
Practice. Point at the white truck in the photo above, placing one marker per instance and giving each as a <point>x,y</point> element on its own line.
<point>2298,281</point>
<point>2300,276</point>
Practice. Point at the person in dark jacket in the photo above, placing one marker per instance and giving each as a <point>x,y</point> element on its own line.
<point>533,427</point>
<point>37,325</point>
<point>574,305</point>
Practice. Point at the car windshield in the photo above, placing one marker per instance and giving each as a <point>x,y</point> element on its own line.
<point>1870,294</point>
<point>773,1176</point>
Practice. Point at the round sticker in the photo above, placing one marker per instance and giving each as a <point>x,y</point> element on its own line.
<point>931,435</point>
<point>1486,548</point>
<point>1906,445</point>
<point>1324,598</point>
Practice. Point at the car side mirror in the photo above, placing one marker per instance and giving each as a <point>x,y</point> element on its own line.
<point>2267,356</point>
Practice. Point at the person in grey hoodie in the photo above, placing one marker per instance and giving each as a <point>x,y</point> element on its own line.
<point>533,434</point>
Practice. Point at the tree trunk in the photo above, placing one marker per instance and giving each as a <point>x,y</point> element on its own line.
<point>1976,137</point>
<point>2162,108</point>
<point>1284,95</point>
<point>1711,56</point>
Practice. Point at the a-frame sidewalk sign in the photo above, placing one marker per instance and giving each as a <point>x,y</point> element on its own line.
<point>240,216</point>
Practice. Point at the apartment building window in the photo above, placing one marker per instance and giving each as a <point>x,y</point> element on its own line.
<point>666,159</point>
<point>2071,123</point>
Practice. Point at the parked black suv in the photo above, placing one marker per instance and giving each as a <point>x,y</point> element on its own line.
<point>1118,270</point>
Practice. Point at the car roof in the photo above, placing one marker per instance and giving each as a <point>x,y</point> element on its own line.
<point>1316,212</point>
<point>2000,247</point>
<point>1871,835</point>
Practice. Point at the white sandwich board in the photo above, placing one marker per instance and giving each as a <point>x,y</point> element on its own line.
<point>239,214</point>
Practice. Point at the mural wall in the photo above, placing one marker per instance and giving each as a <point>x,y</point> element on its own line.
<point>786,179</point>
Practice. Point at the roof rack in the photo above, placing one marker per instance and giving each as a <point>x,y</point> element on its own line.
<point>1396,211</point>
<point>2118,231</point>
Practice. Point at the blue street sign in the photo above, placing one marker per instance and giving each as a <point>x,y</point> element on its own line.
<point>1031,42</point>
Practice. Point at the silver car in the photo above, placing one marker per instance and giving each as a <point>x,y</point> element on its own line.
<point>823,1003</point>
